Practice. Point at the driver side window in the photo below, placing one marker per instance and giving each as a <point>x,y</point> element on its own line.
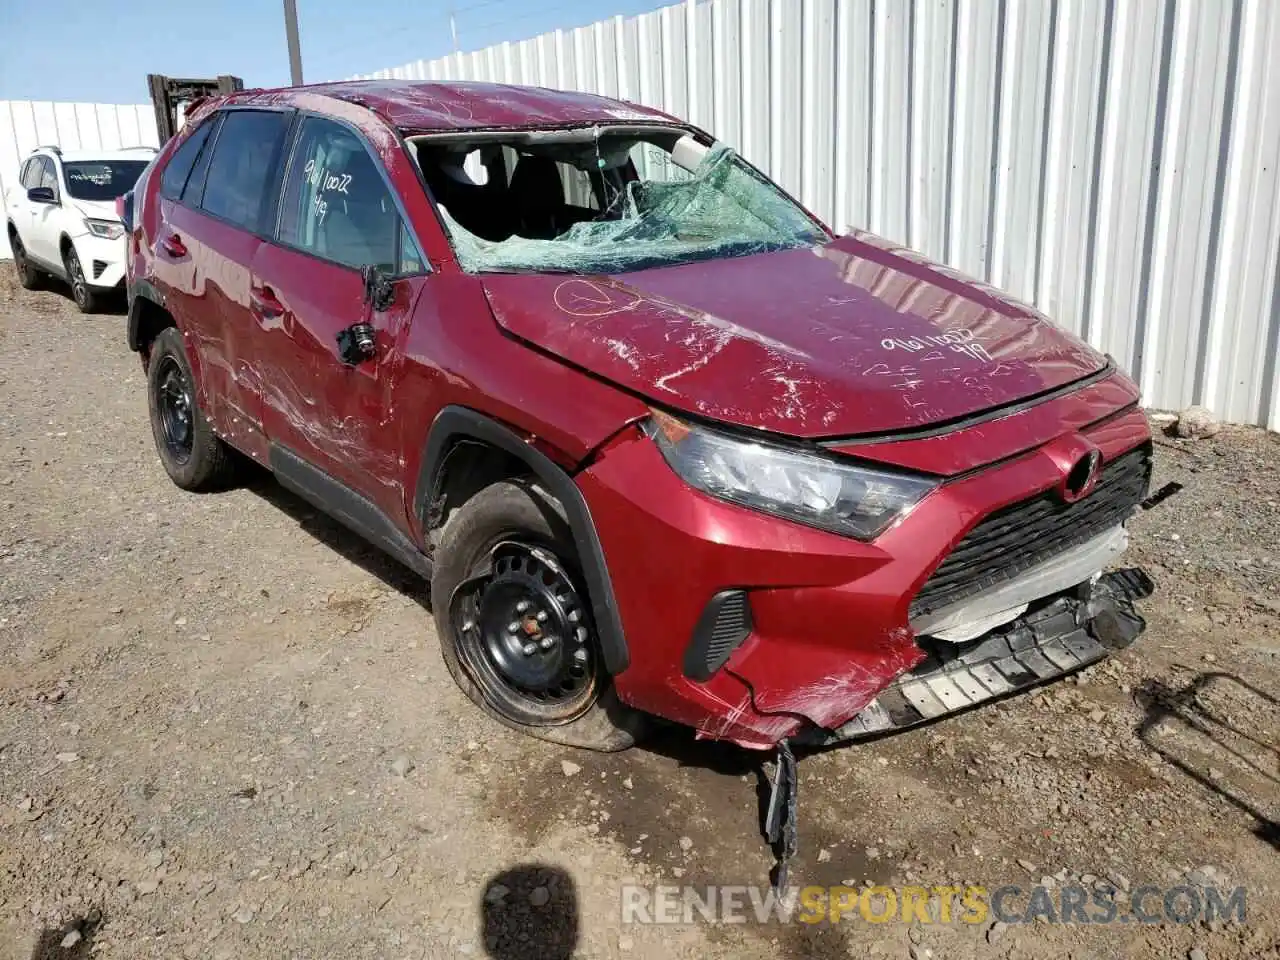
<point>49,176</point>
<point>337,206</point>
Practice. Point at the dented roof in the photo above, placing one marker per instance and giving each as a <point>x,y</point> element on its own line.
<point>421,106</point>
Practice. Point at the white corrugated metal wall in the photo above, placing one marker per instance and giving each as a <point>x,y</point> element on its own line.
<point>1112,161</point>
<point>25,124</point>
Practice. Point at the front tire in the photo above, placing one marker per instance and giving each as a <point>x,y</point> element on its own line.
<point>84,297</point>
<point>193,456</point>
<point>28,276</point>
<point>514,621</point>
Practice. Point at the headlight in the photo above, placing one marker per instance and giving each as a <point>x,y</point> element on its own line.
<point>842,497</point>
<point>107,229</point>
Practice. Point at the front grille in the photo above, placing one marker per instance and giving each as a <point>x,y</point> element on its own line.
<point>1025,534</point>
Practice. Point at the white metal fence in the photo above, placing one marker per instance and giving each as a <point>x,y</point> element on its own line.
<point>25,124</point>
<point>1112,161</point>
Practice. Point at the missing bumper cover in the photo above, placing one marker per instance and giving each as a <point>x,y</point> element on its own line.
<point>1064,635</point>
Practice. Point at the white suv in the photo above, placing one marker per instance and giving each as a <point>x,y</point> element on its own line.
<point>62,218</point>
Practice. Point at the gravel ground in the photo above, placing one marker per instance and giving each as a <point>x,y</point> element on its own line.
<point>225,731</point>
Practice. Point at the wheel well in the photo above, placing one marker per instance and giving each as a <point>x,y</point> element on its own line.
<point>467,467</point>
<point>13,230</point>
<point>508,454</point>
<point>64,244</point>
<point>146,320</point>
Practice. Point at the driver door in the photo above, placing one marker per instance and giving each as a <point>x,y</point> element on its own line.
<point>337,214</point>
<point>46,219</point>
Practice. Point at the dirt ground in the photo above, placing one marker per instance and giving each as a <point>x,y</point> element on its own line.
<point>225,731</point>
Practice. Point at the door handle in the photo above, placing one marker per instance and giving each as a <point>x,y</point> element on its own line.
<point>173,246</point>
<point>264,302</point>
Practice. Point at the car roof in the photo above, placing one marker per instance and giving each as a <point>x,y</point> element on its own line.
<point>75,156</point>
<point>422,106</point>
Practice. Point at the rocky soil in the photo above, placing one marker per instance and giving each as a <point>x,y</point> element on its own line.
<point>225,731</point>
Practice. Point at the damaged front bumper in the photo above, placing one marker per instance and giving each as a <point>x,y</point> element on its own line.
<point>1060,636</point>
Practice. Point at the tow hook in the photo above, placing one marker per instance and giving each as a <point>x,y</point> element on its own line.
<point>780,816</point>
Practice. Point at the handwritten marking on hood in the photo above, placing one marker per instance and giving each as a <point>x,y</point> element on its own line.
<point>717,345</point>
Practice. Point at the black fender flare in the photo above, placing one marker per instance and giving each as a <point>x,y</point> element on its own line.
<point>139,290</point>
<point>454,422</point>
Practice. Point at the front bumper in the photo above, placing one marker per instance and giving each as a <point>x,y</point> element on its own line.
<point>103,260</point>
<point>1066,633</point>
<point>830,620</point>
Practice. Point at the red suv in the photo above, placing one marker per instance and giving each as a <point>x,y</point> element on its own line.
<point>662,443</point>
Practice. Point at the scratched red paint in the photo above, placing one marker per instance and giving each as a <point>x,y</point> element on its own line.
<point>850,337</point>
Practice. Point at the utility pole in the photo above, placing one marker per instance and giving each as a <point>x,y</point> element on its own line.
<point>291,35</point>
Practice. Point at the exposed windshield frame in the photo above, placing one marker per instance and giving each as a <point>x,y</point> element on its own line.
<point>580,133</point>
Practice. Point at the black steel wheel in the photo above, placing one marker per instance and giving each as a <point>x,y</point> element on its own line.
<point>526,637</point>
<point>193,455</point>
<point>80,292</point>
<point>173,404</point>
<point>514,620</point>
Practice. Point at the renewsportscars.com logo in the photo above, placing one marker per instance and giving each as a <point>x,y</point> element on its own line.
<point>1010,903</point>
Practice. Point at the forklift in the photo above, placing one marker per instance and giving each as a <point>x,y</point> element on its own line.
<point>170,95</point>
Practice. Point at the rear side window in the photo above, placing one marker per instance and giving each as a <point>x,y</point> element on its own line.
<point>179,166</point>
<point>244,159</point>
<point>335,203</point>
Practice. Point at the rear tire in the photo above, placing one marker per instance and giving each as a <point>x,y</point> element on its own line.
<point>28,276</point>
<point>84,297</point>
<point>560,692</point>
<point>193,456</point>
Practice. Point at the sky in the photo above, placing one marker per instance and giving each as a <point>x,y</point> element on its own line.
<point>86,50</point>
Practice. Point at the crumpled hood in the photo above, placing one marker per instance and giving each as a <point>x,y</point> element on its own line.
<point>848,338</point>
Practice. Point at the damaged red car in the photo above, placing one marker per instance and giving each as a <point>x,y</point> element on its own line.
<point>662,443</point>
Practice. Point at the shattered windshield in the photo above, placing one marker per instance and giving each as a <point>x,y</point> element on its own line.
<point>611,206</point>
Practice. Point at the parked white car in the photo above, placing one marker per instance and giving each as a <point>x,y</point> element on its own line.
<point>62,218</point>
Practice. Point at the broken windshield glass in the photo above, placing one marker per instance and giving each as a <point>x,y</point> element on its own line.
<point>721,208</point>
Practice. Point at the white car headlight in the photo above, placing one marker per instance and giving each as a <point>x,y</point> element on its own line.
<point>836,495</point>
<point>107,229</point>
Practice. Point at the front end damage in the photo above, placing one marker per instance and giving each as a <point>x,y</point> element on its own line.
<point>1061,635</point>
<point>1054,637</point>
<point>778,637</point>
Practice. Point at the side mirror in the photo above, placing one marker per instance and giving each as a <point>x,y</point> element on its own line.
<point>41,195</point>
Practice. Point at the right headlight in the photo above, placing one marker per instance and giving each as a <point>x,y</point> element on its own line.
<point>107,229</point>
<point>835,495</point>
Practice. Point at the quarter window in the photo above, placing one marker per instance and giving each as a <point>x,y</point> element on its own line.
<point>30,173</point>
<point>178,169</point>
<point>336,204</point>
<point>244,158</point>
<point>411,259</point>
<point>193,192</point>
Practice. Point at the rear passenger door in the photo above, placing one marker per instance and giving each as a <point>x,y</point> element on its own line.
<point>337,214</point>
<point>218,200</point>
<point>17,206</point>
